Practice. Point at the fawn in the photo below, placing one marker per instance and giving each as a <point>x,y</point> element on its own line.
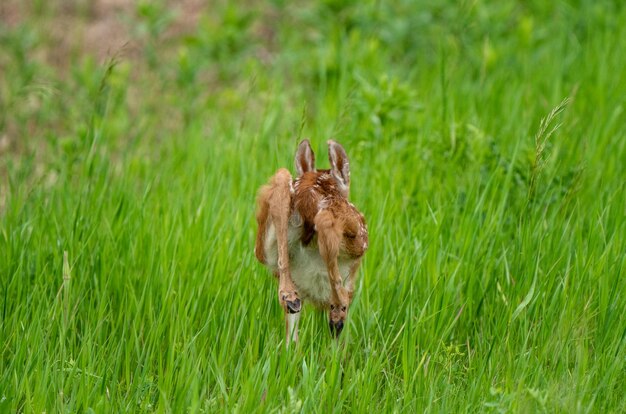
<point>311,237</point>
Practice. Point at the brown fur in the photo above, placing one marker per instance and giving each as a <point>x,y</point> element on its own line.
<point>318,201</point>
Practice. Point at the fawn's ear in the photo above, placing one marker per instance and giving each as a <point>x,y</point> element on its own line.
<point>305,158</point>
<point>339,166</point>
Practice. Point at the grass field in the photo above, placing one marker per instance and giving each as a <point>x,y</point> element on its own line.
<point>488,153</point>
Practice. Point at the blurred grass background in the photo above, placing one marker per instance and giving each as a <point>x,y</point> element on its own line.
<point>487,151</point>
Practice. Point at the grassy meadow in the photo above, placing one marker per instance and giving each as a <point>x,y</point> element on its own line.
<point>488,154</point>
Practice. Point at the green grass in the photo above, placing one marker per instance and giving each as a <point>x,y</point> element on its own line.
<point>488,153</point>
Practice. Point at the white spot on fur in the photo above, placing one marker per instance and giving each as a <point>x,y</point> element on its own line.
<point>323,203</point>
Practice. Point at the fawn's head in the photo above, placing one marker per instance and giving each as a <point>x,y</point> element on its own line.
<point>328,190</point>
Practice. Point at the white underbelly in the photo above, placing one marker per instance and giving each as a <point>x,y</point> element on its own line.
<point>308,270</point>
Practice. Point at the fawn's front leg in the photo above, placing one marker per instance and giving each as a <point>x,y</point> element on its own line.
<point>329,240</point>
<point>339,301</point>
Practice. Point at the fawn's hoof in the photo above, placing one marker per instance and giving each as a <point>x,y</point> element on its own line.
<point>293,306</point>
<point>335,327</point>
<point>290,302</point>
<point>337,315</point>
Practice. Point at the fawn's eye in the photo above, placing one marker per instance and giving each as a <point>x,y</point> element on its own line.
<point>350,235</point>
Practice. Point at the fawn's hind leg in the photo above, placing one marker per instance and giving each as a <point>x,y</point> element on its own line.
<point>274,209</point>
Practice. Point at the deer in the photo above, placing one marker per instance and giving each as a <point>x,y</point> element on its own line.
<point>311,237</point>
